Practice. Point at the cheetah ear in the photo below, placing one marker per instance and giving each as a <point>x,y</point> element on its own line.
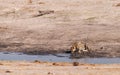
<point>85,46</point>
<point>71,48</point>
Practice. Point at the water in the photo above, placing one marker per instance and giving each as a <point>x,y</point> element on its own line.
<point>57,58</point>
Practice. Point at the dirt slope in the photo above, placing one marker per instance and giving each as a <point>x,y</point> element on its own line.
<point>32,27</point>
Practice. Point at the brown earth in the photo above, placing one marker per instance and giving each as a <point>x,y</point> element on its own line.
<point>47,68</point>
<point>44,26</point>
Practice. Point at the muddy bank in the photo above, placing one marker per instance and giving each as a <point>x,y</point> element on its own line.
<point>36,49</point>
<point>33,49</point>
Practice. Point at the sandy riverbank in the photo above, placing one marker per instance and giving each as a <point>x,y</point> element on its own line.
<point>47,68</point>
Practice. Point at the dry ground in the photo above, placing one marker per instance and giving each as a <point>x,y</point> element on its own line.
<point>47,68</point>
<point>24,28</point>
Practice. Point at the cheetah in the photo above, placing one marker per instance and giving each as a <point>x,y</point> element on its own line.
<point>79,47</point>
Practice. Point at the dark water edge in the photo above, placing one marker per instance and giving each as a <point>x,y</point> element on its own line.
<point>61,57</point>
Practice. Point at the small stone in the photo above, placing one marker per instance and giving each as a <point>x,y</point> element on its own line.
<point>75,63</point>
<point>8,71</point>
<point>37,61</point>
<point>49,73</point>
<point>56,64</point>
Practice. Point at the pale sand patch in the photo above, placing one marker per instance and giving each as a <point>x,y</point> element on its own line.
<point>47,68</point>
